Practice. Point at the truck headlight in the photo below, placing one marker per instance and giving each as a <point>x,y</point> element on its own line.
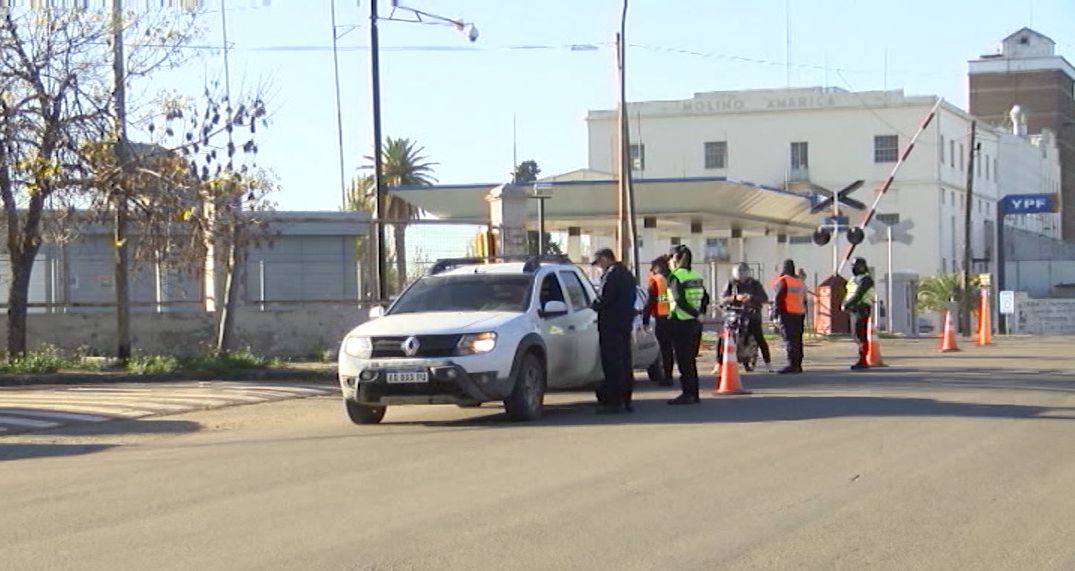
<point>477,343</point>
<point>360,347</point>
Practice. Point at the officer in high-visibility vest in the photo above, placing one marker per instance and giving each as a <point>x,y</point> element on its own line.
<point>790,309</point>
<point>658,305</point>
<point>857,303</point>
<point>688,301</point>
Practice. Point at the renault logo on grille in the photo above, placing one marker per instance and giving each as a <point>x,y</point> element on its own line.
<point>410,346</point>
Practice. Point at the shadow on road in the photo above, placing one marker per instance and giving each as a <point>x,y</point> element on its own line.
<point>29,451</point>
<point>21,451</point>
<point>971,378</point>
<point>761,408</point>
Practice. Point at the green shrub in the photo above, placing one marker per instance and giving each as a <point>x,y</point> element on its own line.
<point>47,359</point>
<point>226,362</point>
<point>152,364</point>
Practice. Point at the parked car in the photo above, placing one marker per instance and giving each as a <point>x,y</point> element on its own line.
<point>471,332</point>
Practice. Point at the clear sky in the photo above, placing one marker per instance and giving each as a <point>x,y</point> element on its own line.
<point>458,99</point>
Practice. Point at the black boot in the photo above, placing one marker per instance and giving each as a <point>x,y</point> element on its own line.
<point>685,399</point>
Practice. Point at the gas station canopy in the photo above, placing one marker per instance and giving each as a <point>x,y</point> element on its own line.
<point>588,200</point>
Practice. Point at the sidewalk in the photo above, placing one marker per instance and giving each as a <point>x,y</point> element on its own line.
<point>314,372</point>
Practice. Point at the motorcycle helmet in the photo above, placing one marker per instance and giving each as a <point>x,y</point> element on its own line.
<point>859,267</point>
<point>741,272</point>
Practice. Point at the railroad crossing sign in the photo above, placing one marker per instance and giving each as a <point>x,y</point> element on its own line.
<point>900,231</point>
<point>837,222</point>
<point>840,196</point>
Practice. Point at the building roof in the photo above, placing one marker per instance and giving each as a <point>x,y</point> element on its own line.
<point>719,203</point>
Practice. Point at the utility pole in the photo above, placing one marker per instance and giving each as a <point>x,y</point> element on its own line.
<point>628,186</point>
<point>339,112</point>
<point>226,325</point>
<point>123,156</point>
<point>625,156</point>
<point>965,302</point>
<point>379,290</point>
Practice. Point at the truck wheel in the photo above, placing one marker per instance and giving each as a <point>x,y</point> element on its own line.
<point>527,399</point>
<point>364,414</point>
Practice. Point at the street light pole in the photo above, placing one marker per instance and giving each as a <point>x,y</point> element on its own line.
<point>378,184</point>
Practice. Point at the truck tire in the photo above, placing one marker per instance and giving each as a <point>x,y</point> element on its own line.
<point>527,398</point>
<point>364,414</point>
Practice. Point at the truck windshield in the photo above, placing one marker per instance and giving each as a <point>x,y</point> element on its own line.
<point>466,293</point>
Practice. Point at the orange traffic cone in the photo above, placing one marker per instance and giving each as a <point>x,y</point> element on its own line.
<point>948,343</point>
<point>873,345</point>
<point>728,381</point>
<point>985,328</point>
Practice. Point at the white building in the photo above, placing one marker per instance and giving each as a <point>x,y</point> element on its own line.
<point>801,139</point>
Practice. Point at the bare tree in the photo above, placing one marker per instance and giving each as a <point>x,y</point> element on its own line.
<point>230,190</point>
<point>54,100</point>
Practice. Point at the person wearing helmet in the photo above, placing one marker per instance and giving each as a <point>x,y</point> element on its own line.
<point>857,303</point>
<point>687,303</point>
<point>746,290</point>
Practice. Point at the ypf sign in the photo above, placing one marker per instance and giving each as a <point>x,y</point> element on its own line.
<point>1029,203</point>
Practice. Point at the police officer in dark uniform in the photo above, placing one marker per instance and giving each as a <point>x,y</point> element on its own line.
<point>615,306</point>
<point>857,303</point>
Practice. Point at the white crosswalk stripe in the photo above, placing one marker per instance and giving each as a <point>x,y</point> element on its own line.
<point>23,409</point>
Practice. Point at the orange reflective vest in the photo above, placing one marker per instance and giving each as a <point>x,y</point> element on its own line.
<point>658,291</point>
<point>793,298</point>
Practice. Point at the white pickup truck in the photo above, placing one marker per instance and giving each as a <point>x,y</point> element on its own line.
<point>473,332</point>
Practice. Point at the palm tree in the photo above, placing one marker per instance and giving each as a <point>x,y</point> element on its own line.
<point>402,164</point>
<point>935,292</point>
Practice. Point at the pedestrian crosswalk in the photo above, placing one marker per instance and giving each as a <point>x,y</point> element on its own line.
<point>27,409</point>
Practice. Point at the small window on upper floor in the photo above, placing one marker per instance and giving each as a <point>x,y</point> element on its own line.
<point>716,154</point>
<point>986,161</point>
<point>638,157</point>
<point>952,152</point>
<point>962,151</point>
<point>941,149</point>
<point>886,148</point>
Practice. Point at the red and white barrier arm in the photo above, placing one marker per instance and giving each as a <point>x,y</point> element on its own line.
<point>888,181</point>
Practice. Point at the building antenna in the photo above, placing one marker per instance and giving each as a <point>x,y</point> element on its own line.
<point>514,148</point>
<point>787,36</point>
<point>884,82</point>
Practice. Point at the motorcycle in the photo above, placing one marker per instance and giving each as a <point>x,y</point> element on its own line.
<point>737,322</point>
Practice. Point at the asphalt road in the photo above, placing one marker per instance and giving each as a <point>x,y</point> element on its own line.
<point>937,462</point>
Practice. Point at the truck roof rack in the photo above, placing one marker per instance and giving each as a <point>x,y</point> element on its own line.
<point>530,263</point>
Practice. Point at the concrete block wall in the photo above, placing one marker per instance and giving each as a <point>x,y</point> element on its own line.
<point>288,333</point>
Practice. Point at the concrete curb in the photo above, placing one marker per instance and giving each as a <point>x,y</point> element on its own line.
<point>326,376</point>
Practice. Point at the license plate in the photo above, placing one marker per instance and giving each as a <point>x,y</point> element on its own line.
<point>407,377</point>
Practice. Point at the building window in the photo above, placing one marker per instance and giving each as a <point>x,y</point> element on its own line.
<point>941,148</point>
<point>978,169</point>
<point>952,153</point>
<point>996,173</point>
<point>801,239</point>
<point>888,219</point>
<point>638,157</point>
<point>962,152</point>
<point>716,155</point>
<point>886,148</point>
<point>799,156</point>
